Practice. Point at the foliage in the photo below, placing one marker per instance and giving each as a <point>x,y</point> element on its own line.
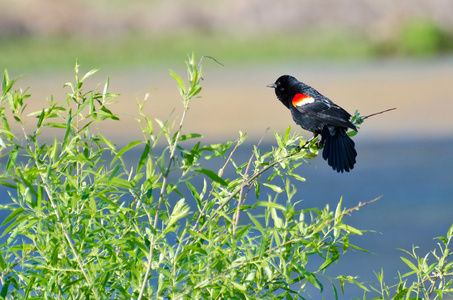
<point>423,37</point>
<point>85,223</point>
<point>433,279</point>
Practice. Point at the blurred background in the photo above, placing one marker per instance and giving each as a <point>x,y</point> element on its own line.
<point>369,55</point>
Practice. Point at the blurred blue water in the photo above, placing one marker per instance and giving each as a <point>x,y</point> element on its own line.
<point>415,179</point>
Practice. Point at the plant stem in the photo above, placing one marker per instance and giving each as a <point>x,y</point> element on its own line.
<point>59,219</point>
<point>162,195</point>
<point>267,252</point>
<point>76,255</point>
<point>249,181</point>
<point>243,185</point>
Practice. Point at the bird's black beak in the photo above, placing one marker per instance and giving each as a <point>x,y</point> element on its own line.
<point>272,85</point>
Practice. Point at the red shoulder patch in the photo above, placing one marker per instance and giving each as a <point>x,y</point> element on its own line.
<point>302,99</point>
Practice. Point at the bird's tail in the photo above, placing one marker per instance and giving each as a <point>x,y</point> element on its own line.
<point>339,151</point>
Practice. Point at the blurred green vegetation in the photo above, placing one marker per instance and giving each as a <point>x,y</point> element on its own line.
<point>137,49</point>
<point>419,37</point>
<point>416,38</point>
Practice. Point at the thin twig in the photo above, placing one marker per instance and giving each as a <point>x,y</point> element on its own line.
<point>57,214</point>
<point>210,57</point>
<point>161,198</point>
<point>378,113</point>
<point>444,262</point>
<point>252,179</point>
<point>246,193</point>
<point>214,185</point>
<point>362,204</point>
<point>267,252</point>
<point>162,193</point>
<point>243,182</point>
<point>16,264</point>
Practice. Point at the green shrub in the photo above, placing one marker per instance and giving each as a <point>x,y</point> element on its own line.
<point>84,224</point>
<point>429,277</point>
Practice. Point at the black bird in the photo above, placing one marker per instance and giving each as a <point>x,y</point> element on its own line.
<point>318,114</point>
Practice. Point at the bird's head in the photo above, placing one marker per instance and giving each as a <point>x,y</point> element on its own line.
<point>286,87</point>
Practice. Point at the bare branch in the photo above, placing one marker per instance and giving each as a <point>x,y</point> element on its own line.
<point>378,113</point>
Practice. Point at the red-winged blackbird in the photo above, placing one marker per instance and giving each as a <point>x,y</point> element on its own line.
<point>318,114</point>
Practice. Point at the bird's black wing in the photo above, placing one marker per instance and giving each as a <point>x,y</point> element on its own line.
<point>328,112</point>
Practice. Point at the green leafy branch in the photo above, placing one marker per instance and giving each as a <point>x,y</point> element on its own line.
<point>85,222</point>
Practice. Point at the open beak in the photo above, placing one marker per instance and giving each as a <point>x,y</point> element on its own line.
<point>272,85</point>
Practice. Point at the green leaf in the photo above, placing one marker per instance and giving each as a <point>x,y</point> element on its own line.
<point>213,176</point>
<point>195,194</point>
<point>338,211</point>
<point>275,188</point>
<point>257,223</point>
<point>119,182</point>
<point>287,133</point>
<point>106,113</point>
<point>351,279</point>
<point>310,277</point>
<point>66,135</point>
<point>12,159</point>
<point>195,91</point>
<point>108,143</point>
<point>334,291</point>
<point>81,107</point>
<point>12,215</point>
<point>328,262</point>
<point>401,294</point>
<point>269,205</point>
<point>2,263</point>
<point>5,82</point>
<point>88,74</point>
<point>280,143</point>
<point>30,286</point>
<point>114,171</point>
<point>178,81</point>
<point>56,125</point>
<point>54,150</point>
<point>14,224</point>
<point>240,287</point>
<point>350,229</point>
<point>409,264</point>
<point>127,148</point>
<point>298,177</point>
<point>8,184</point>
<point>278,222</point>
<point>41,118</point>
<point>180,211</point>
<point>352,133</point>
<point>106,88</point>
<point>196,249</point>
<point>142,160</point>
<point>7,130</point>
<point>189,136</point>
<point>4,291</point>
<point>257,189</point>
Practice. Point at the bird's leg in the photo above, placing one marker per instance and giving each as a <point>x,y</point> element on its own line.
<point>307,142</point>
<point>312,138</point>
